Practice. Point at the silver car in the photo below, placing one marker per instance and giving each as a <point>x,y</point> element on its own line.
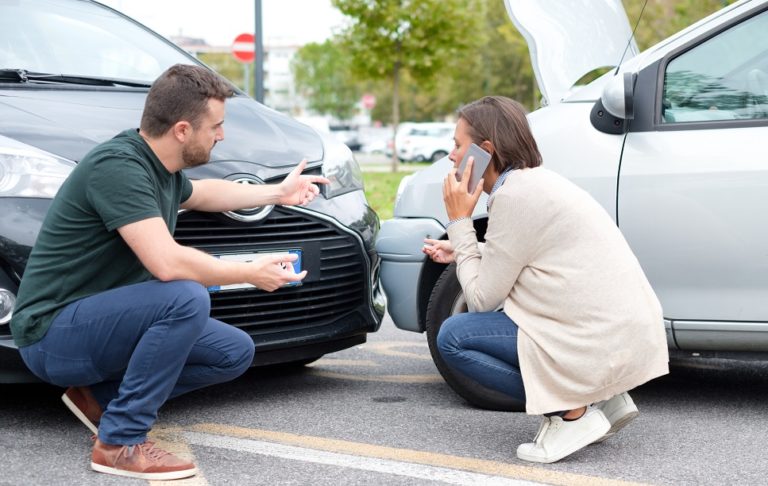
<point>672,143</point>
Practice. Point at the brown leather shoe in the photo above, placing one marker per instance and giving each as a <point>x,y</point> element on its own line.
<point>81,402</point>
<point>143,461</point>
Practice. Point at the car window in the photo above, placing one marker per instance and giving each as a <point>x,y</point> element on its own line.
<point>723,78</point>
<point>80,38</point>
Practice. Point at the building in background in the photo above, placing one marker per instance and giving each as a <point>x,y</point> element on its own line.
<point>279,87</point>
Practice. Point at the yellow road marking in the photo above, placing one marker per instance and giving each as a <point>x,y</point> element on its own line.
<point>388,348</point>
<point>481,466</point>
<point>343,362</point>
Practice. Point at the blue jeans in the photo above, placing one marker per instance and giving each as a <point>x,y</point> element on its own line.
<point>136,347</point>
<point>483,347</point>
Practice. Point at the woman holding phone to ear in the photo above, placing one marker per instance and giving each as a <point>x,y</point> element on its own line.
<point>580,324</point>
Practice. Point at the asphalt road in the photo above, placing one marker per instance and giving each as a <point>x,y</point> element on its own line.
<point>380,414</point>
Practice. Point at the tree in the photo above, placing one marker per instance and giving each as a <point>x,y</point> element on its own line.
<point>323,73</point>
<point>388,38</point>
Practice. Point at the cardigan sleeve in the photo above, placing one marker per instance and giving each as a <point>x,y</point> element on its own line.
<point>487,278</point>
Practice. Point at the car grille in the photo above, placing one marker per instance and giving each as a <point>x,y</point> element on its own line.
<point>337,287</point>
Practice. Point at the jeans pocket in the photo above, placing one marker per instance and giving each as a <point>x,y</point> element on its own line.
<point>67,371</point>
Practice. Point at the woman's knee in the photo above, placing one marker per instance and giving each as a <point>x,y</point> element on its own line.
<point>449,337</point>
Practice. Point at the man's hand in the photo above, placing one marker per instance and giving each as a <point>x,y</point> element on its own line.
<point>300,190</point>
<point>273,271</point>
<point>439,251</point>
<point>458,202</point>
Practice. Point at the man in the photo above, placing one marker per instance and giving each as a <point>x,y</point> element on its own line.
<point>112,307</point>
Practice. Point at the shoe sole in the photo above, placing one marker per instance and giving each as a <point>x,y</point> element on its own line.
<point>149,476</point>
<point>618,425</point>
<point>80,415</point>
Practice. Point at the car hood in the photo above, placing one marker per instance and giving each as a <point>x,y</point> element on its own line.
<point>69,123</point>
<point>567,40</point>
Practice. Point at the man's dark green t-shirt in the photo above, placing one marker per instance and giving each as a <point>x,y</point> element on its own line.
<point>78,251</point>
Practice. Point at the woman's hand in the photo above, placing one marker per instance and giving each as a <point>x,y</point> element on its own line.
<point>440,251</point>
<point>299,190</point>
<point>458,202</point>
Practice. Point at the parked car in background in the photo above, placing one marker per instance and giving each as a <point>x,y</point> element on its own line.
<point>672,144</point>
<point>74,73</point>
<point>348,135</point>
<point>421,142</point>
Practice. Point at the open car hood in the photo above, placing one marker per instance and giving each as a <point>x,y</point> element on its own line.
<point>570,39</point>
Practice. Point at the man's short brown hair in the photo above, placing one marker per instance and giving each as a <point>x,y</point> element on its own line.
<point>181,93</point>
<point>502,121</point>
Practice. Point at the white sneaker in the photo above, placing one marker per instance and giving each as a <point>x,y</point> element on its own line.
<point>619,410</point>
<point>558,438</point>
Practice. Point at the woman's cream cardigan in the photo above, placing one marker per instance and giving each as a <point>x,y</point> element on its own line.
<point>590,324</point>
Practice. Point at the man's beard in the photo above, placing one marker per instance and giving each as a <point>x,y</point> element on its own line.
<point>195,155</point>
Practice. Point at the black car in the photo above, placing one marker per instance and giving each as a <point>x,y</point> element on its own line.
<point>74,73</point>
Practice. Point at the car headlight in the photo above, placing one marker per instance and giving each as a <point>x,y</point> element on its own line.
<point>29,172</point>
<point>341,168</point>
<point>7,303</point>
<point>400,188</point>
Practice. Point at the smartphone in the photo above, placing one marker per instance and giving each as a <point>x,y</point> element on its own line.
<point>482,159</point>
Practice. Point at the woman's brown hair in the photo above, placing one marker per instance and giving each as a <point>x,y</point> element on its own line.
<point>502,122</point>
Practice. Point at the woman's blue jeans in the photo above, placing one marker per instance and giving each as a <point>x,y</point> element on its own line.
<point>136,347</point>
<point>483,347</point>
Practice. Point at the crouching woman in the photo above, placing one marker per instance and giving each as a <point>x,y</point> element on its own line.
<point>580,324</point>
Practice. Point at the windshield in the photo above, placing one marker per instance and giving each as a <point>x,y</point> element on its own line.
<point>81,38</point>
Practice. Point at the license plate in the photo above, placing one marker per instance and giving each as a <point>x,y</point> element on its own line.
<point>252,257</point>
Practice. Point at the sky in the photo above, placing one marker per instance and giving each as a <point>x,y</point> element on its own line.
<point>284,21</point>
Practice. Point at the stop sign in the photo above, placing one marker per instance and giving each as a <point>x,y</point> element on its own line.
<point>243,48</point>
<point>368,101</point>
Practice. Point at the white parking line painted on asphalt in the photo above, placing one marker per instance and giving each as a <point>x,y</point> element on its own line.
<point>385,466</point>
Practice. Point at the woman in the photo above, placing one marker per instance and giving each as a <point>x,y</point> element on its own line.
<point>580,323</point>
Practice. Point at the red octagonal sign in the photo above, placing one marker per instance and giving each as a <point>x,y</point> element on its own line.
<point>243,48</point>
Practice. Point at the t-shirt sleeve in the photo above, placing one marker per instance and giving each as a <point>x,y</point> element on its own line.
<point>186,187</point>
<point>121,192</point>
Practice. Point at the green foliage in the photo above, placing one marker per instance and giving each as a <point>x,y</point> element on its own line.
<point>380,190</point>
<point>323,73</point>
<point>417,36</point>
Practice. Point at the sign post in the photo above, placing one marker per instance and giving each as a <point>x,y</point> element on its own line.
<point>243,50</point>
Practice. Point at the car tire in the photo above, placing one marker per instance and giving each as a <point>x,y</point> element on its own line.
<point>446,300</point>
<point>438,155</point>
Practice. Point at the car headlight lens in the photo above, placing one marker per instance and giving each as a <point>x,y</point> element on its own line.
<point>29,172</point>
<point>341,168</point>
<point>400,188</point>
<point>7,303</point>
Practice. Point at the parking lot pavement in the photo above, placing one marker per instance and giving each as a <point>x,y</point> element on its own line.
<point>379,413</point>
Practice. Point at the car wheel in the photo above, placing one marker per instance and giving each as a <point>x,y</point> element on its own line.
<point>446,300</point>
<point>438,155</point>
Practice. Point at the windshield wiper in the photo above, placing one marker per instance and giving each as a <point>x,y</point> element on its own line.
<point>24,76</point>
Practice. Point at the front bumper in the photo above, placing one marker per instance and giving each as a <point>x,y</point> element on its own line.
<point>399,246</point>
<point>339,302</point>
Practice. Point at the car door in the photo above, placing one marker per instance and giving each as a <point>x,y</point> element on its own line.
<point>693,186</point>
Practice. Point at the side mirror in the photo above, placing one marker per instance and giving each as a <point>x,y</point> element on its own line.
<point>616,105</point>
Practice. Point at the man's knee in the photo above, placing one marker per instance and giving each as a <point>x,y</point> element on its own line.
<point>192,297</point>
<point>243,352</point>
